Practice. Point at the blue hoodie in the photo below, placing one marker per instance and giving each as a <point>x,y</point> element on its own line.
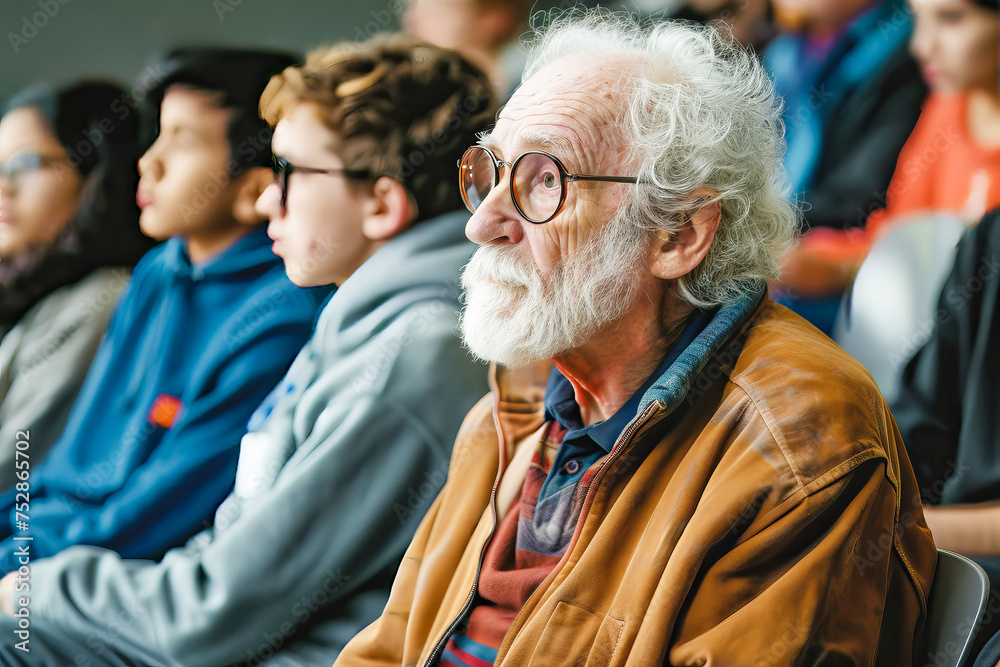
<point>151,444</point>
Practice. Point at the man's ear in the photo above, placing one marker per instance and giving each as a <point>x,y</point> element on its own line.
<point>674,257</point>
<point>389,211</point>
<point>251,184</point>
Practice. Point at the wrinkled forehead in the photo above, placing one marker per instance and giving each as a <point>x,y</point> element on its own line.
<point>568,108</point>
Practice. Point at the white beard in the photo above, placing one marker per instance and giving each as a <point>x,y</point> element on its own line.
<point>514,316</point>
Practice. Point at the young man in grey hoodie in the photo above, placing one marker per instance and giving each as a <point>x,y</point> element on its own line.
<point>345,456</point>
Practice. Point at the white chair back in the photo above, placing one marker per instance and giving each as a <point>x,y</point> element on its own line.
<point>890,310</point>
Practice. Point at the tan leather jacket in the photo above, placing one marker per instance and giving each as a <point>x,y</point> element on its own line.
<point>771,519</point>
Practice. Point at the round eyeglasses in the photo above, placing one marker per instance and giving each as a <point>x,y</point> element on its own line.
<point>283,169</point>
<point>537,181</point>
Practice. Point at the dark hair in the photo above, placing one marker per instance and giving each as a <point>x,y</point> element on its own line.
<point>104,231</point>
<point>237,77</point>
<point>401,108</point>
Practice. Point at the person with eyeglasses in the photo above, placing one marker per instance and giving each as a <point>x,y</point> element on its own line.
<point>670,468</point>
<point>344,457</point>
<point>69,236</point>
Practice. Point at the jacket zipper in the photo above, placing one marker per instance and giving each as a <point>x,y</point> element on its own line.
<point>467,607</point>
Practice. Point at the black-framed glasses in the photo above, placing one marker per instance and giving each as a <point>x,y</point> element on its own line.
<point>537,181</point>
<point>283,169</point>
<point>25,162</point>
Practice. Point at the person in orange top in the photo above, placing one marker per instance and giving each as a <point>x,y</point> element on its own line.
<point>951,162</point>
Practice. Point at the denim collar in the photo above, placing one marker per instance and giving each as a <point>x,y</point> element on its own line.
<point>704,332</point>
<point>672,386</point>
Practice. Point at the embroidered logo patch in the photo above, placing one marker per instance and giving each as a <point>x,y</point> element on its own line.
<point>164,410</point>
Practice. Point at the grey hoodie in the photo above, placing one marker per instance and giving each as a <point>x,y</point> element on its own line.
<point>44,359</point>
<point>339,465</point>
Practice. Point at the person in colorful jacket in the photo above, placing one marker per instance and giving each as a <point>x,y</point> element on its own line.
<point>346,455</point>
<point>851,96</point>
<point>670,468</point>
<point>946,408</point>
<point>950,165</point>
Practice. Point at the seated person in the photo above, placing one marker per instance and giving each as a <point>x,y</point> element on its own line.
<point>69,236</point>
<point>946,411</point>
<point>208,325</point>
<point>699,458</point>
<point>346,455</point>
<point>951,163</point>
<point>851,96</point>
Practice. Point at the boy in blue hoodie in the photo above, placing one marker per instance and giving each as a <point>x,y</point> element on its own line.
<point>206,327</point>
<point>346,455</point>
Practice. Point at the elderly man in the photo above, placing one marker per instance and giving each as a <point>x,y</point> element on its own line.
<point>702,478</point>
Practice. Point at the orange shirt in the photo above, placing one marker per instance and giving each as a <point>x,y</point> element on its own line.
<point>940,169</point>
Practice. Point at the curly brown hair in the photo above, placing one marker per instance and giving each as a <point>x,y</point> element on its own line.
<point>401,108</point>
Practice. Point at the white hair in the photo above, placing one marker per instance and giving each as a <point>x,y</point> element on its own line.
<point>700,112</point>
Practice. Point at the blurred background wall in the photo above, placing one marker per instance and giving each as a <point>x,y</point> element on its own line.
<point>61,40</point>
